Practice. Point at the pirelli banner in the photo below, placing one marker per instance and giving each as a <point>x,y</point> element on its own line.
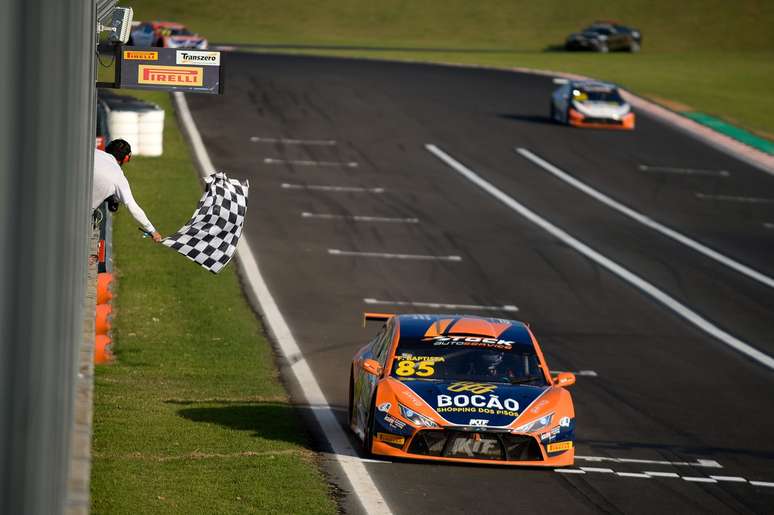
<point>169,69</point>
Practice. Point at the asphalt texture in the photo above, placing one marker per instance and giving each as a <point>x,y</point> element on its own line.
<point>664,390</point>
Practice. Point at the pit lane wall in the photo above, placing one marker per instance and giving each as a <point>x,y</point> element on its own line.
<point>47,127</point>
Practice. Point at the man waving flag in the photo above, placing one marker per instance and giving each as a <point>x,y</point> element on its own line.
<point>211,235</point>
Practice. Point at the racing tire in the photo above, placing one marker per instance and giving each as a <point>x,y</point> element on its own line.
<point>351,400</point>
<point>634,47</point>
<point>368,437</point>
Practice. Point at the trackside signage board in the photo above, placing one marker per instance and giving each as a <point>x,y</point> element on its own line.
<point>170,69</point>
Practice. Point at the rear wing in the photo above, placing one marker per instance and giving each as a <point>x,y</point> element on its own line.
<point>376,317</point>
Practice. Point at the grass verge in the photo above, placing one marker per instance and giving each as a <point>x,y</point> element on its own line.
<point>192,417</point>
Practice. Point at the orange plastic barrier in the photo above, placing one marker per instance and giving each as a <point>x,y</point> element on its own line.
<point>102,353</point>
<point>104,287</point>
<point>102,320</point>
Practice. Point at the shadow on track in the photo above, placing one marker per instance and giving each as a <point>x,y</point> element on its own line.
<point>531,118</point>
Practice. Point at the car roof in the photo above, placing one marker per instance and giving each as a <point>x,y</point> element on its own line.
<point>418,326</point>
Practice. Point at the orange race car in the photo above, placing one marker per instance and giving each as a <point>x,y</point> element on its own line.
<point>460,388</point>
<point>588,103</point>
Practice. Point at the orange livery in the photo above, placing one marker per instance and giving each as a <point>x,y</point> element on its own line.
<point>460,388</point>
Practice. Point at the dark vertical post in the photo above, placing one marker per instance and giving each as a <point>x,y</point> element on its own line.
<point>47,105</point>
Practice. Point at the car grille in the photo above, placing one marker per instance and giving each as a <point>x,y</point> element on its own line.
<point>607,121</point>
<point>475,445</point>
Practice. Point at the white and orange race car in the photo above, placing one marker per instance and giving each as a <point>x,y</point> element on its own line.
<point>588,103</point>
<point>460,388</point>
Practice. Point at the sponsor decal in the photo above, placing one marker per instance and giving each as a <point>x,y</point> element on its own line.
<point>384,407</point>
<point>388,438</point>
<point>201,58</point>
<point>467,386</point>
<point>489,404</point>
<point>538,406</point>
<point>170,75</point>
<point>394,422</point>
<point>564,422</point>
<point>559,446</point>
<point>478,422</point>
<point>135,55</point>
<point>471,341</point>
<point>549,435</point>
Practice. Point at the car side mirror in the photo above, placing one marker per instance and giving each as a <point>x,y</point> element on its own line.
<point>371,366</point>
<point>564,379</point>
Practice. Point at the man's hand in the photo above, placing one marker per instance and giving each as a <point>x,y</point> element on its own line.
<point>156,237</point>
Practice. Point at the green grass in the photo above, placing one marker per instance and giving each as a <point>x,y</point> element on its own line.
<point>192,417</point>
<point>713,56</point>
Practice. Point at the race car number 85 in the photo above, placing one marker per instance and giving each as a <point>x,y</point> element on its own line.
<point>410,368</point>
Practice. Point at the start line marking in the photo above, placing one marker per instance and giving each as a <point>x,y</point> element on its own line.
<point>313,187</point>
<point>441,305</point>
<point>337,252</point>
<point>732,198</point>
<point>670,475</point>
<point>348,164</point>
<point>698,463</point>
<point>289,141</point>
<point>359,218</point>
<point>683,171</point>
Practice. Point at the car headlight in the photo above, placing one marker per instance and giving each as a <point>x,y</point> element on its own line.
<point>415,418</point>
<point>536,425</point>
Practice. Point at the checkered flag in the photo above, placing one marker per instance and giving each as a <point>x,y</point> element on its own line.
<point>210,237</point>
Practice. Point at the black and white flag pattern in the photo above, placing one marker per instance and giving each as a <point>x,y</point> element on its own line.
<point>211,235</point>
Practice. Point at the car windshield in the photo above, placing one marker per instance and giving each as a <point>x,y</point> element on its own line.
<point>467,360</point>
<point>600,95</point>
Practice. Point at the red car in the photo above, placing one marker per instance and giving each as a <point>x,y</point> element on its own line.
<point>176,35</point>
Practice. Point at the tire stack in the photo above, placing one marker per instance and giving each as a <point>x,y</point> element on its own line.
<point>136,121</point>
<point>104,317</point>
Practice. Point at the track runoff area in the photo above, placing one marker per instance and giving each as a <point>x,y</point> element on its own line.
<point>416,188</point>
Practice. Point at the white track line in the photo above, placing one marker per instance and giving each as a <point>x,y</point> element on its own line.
<point>346,189</point>
<point>360,218</point>
<point>386,255</point>
<point>663,474</point>
<point>289,141</point>
<point>597,469</point>
<point>647,221</point>
<point>671,303</point>
<point>683,171</point>
<point>441,305</point>
<point>698,463</point>
<point>768,225</point>
<point>761,483</point>
<point>363,485</point>
<point>733,479</point>
<point>569,471</point>
<point>699,479</point>
<point>734,198</point>
<point>633,474</point>
<point>270,161</point>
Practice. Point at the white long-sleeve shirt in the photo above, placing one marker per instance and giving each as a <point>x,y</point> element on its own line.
<point>109,179</point>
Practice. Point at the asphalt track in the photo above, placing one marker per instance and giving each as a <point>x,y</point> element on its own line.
<point>306,131</point>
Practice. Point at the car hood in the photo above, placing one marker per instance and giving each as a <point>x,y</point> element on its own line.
<point>469,403</point>
<point>602,109</point>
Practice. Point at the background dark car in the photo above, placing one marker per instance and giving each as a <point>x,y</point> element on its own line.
<point>605,37</point>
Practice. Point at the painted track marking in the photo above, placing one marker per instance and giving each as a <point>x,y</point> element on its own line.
<point>762,483</point>
<point>441,305</point>
<point>633,474</point>
<point>359,218</point>
<point>317,187</point>
<point>386,255</point>
<point>683,171</point>
<point>768,225</point>
<point>272,161</point>
<point>647,221</point>
<point>698,463</point>
<point>357,474</point>
<point>735,198</point>
<point>699,479</point>
<point>629,277</point>
<point>290,141</point>
<point>733,479</point>
<point>663,475</point>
